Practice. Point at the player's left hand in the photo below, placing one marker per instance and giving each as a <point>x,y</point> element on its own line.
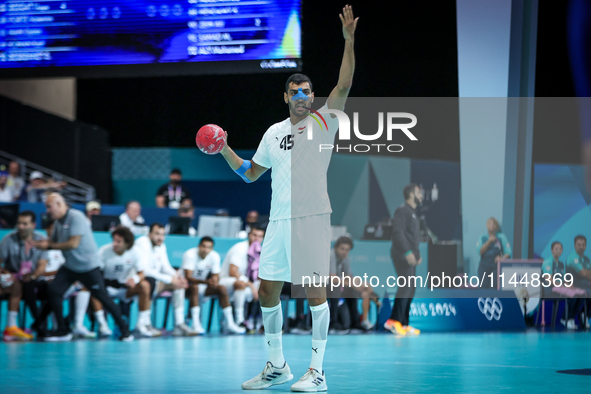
<point>349,22</point>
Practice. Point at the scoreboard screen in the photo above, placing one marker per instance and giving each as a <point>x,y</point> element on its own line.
<point>160,37</point>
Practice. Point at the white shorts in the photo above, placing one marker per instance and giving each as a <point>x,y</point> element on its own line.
<point>305,240</point>
<point>228,283</point>
<point>120,293</point>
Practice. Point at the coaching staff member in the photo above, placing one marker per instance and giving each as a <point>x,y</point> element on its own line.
<point>72,235</point>
<point>406,236</point>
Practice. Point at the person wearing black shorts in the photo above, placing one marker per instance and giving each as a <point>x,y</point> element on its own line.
<point>72,235</point>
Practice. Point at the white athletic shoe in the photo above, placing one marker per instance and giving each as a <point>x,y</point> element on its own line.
<point>311,382</point>
<point>147,331</point>
<point>83,332</point>
<point>270,376</point>
<point>155,332</point>
<point>198,328</point>
<point>105,332</point>
<point>183,330</point>
<point>570,324</point>
<point>367,325</point>
<point>232,328</point>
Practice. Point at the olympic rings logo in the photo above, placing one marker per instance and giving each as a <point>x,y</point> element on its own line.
<point>491,308</point>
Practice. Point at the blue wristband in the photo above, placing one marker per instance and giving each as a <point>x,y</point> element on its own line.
<point>241,171</point>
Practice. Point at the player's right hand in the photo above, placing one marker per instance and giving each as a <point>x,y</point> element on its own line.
<point>411,259</point>
<point>178,282</point>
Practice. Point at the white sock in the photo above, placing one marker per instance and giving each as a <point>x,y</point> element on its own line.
<point>11,319</point>
<point>179,315</point>
<point>178,301</point>
<point>273,323</point>
<point>228,315</point>
<point>82,300</point>
<point>195,311</point>
<point>239,300</point>
<point>320,322</point>
<point>100,317</point>
<point>144,318</point>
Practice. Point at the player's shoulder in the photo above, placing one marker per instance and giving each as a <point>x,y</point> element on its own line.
<point>133,252</point>
<point>214,255</point>
<point>76,215</point>
<point>104,250</point>
<point>238,245</point>
<point>142,241</point>
<point>278,128</point>
<point>192,252</point>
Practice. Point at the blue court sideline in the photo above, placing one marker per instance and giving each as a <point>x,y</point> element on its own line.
<point>379,363</point>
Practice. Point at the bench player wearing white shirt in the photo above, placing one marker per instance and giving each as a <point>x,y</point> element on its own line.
<point>297,165</point>
<point>123,270</point>
<point>234,270</point>
<point>163,277</point>
<point>201,266</point>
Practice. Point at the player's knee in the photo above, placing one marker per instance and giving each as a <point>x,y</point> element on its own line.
<point>221,290</point>
<point>16,287</point>
<point>194,290</point>
<point>265,296</point>
<point>239,285</point>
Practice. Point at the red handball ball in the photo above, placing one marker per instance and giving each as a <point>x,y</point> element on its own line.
<point>211,139</point>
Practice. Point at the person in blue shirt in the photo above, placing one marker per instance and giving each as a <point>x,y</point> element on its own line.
<point>579,266</point>
<point>492,246</point>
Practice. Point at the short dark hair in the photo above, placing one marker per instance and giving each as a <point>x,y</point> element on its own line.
<point>343,241</point>
<point>409,189</point>
<point>176,171</point>
<point>124,233</point>
<point>185,209</point>
<point>206,239</point>
<point>156,224</point>
<point>580,237</point>
<point>554,243</point>
<point>30,214</point>
<point>297,79</point>
<point>257,226</point>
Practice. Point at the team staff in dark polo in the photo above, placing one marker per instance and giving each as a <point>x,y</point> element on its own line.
<point>406,236</point>
<point>72,235</point>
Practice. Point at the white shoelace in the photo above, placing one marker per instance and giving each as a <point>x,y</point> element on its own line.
<point>307,374</point>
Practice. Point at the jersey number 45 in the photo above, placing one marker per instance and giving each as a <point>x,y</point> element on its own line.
<point>286,142</point>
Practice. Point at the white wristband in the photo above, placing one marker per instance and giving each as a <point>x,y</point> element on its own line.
<point>136,278</point>
<point>243,278</point>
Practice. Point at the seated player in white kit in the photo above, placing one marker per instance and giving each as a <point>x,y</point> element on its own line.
<point>123,271</point>
<point>162,277</point>
<point>201,266</point>
<point>234,273</point>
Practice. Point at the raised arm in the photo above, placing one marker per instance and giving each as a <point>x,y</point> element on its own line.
<point>338,96</point>
<point>246,169</point>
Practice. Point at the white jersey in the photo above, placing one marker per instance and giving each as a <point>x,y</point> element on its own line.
<point>119,267</point>
<point>157,265</point>
<point>137,227</point>
<point>297,164</point>
<point>201,267</point>
<point>55,259</point>
<point>237,255</point>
